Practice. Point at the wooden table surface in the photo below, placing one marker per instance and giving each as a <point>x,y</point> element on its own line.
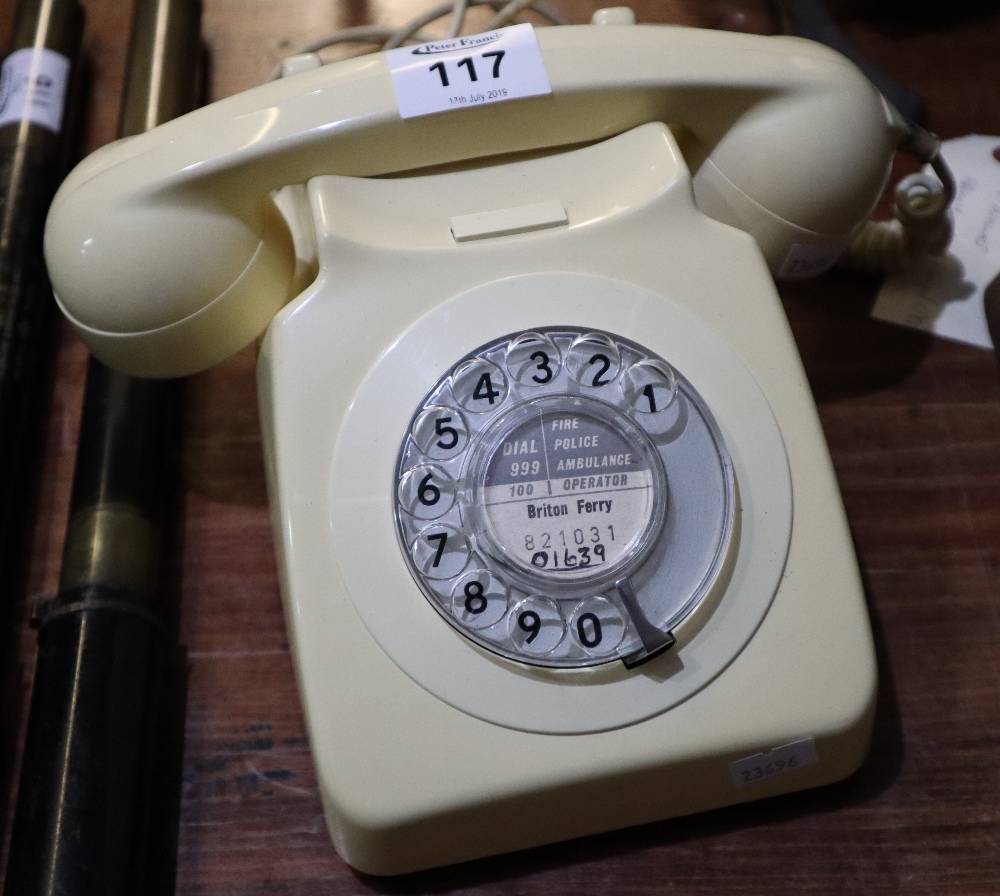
<point>914,428</point>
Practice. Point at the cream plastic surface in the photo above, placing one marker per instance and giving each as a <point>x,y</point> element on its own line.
<point>428,749</point>
<point>160,248</point>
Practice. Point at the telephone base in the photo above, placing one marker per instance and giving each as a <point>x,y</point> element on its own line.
<point>431,748</point>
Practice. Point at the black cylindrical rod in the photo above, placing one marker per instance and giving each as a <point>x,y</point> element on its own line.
<point>33,116</point>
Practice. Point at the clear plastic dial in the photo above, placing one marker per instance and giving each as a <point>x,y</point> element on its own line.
<point>564,498</point>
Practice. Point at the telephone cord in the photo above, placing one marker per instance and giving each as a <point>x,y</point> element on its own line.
<point>386,37</point>
<point>922,224</point>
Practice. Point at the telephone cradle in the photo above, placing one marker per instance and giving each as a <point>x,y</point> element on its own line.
<point>560,543</point>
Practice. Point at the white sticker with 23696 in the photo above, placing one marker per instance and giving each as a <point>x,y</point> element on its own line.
<point>460,72</point>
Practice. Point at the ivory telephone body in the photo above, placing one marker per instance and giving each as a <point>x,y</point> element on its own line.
<point>560,542</point>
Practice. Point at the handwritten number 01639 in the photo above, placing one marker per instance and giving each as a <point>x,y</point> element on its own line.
<point>470,67</point>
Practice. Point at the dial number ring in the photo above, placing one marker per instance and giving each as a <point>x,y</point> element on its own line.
<point>535,478</point>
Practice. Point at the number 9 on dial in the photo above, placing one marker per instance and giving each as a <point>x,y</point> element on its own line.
<point>536,625</point>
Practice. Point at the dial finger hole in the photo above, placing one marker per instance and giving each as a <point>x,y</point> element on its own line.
<point>533,359</point>
<point>440,433</point>
<point>649,386</point>
<point>594,360</point>
<point>536,625</point>
<point>440,552</point>
<point>479,599</point>
<point>427,492</point>
<point>596,625</point>
<point>479,386</point>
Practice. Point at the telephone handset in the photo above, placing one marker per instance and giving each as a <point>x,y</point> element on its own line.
<point>561,547</point>
<point>164,253</point>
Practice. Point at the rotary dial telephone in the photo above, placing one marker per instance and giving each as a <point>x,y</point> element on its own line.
<point>560,543</point>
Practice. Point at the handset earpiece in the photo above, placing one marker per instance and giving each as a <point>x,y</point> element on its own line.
<point>201,285</point>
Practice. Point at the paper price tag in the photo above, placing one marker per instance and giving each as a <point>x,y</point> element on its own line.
<point>780,761</point>
<point>950,295</point>
<point>474,70</point>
